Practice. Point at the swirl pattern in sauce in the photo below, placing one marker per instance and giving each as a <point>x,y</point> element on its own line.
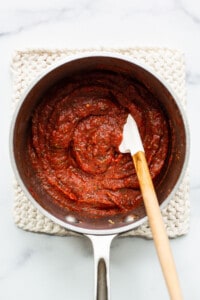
<point>76,132</point>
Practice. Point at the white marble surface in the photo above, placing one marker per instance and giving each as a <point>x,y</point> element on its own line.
<point>34,266</point>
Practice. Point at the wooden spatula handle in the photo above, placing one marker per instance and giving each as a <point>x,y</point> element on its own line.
<point>157,226</point>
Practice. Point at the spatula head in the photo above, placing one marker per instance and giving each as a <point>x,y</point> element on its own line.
<point>131,141</point>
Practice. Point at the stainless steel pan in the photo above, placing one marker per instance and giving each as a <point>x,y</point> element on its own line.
<point>100,233</point>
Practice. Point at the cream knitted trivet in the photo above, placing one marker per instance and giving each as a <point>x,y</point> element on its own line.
<point>169,64</point>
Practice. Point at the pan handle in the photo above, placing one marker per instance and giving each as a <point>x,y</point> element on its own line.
<point>101,247</point>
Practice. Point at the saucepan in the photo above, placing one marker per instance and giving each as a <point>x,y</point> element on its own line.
<point>101,231</point>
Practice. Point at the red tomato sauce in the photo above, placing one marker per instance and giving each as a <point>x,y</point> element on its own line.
<point>76,131</point>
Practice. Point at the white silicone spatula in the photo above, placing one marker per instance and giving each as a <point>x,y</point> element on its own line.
<point>132,143</point>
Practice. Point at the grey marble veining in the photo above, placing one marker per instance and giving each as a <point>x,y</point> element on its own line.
<point>13,21</point>
<point>189,9</point>
<point>43,267</point>
<point>19,262</point>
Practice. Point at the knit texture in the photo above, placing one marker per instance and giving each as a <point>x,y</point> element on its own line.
<point>167,63</point>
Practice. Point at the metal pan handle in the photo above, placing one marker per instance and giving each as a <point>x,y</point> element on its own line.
<point>101,247</point>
